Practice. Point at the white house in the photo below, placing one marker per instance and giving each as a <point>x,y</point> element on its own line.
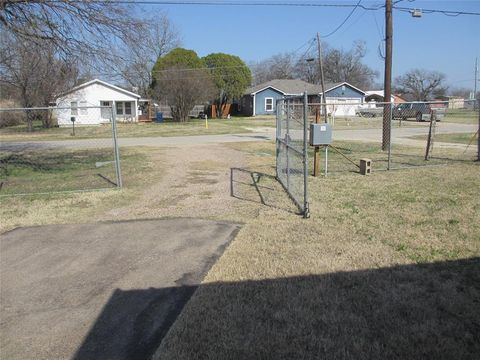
<point>82,99</point>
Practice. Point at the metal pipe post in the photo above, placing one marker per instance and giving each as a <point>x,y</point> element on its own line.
<point>306,213</point>
<point>478,132</point>
<point>387,85</point>
<point>278,122</point>
<point>389,164</point>
<point>287,142</point>
<point>118,171</point>
<point>326,160</point>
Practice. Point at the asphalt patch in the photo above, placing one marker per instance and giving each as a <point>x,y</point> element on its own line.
<point>107,290</point>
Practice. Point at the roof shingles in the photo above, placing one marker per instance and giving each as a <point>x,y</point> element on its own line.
<point>290,87</point>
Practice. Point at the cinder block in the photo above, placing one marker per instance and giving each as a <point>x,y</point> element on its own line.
<point>365,166</point>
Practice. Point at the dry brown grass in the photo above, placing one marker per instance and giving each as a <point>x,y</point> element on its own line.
<point>386,267</point>
<point>379,271</point>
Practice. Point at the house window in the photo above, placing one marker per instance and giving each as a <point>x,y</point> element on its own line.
<point>83,111</point>
<point>268,104</point>
<point>105,103</point>
<point>128,108</point>
<point>74,108</point>
<point>119,107</point>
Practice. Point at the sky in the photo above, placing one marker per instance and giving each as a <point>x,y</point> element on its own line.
<point>434,41</point>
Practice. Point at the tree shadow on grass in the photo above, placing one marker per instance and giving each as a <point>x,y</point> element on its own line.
<point>426,311</point>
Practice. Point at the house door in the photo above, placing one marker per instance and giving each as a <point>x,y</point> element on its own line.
<point>106,114</point>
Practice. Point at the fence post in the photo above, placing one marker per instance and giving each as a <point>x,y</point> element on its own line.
<point>118,171</point>
<point>287,142</point>
<point>306,213</point>
<point>316,153</point>
<point>389,137</point>
<point>430,136</point>
<point>478,132</point>
<point>279,113</point>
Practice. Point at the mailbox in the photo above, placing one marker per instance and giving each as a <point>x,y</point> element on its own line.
<point>72,119</point>
<point>320,134</point>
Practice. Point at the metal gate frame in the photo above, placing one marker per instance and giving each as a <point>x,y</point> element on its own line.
<point>282,109</point>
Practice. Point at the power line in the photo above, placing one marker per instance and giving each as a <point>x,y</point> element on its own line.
<point>301,47</point>
<point>274,3</point>
<point>312,41</point>
<point>225,3</point>
<point>437,11</point>
<point>343,22</point>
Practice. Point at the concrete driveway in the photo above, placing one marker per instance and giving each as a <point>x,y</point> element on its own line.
<point>102,290</point>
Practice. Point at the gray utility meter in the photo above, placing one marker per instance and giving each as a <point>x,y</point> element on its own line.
<point>320,134</point>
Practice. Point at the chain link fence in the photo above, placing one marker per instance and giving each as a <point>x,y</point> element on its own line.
<point>291,149</point>
<point>421,134</point>
<point>58,149</point>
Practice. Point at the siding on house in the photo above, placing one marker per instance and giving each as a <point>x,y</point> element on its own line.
<point>344,91</point>
<point>96,93</point>
<point>253,101</point>
<point>343,100</point>
<point>260,101</point>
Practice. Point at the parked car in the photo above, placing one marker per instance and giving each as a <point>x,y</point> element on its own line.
<point>369,112</point>
<point>419,111</point>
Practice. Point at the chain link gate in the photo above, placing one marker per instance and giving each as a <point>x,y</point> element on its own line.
<point>291,149</point>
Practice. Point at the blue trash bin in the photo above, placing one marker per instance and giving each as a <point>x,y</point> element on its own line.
<point>159,117</point>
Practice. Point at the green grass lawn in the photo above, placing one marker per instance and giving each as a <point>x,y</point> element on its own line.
<point>452,138</point>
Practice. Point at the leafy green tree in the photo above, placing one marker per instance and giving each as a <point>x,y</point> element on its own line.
<point>181,79</point>
<point>178,57</point>
<point>231,77</point>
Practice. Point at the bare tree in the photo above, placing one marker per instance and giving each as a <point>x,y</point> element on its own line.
<point>461,92</point>
<point>72,27</point>
<point>348,66</point>
<point>135,59</point>
<point>421,84</point>
<point>339,65</point>
<point>280,66</point>
<point>34,75</point>
<point>183,88</point>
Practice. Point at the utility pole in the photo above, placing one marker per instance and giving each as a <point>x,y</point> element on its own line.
<point>387,85</point>
<point>316,167</point>
<point>322,81</point>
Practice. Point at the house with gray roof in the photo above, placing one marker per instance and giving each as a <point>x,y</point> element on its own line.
<point>261,99</point>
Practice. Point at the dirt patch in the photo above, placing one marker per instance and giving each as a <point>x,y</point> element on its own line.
<point>191,187</point>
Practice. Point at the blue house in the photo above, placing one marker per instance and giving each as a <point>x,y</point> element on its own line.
<point>261,99</point>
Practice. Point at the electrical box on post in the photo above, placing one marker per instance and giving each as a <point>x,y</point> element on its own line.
<point>320,134</point>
